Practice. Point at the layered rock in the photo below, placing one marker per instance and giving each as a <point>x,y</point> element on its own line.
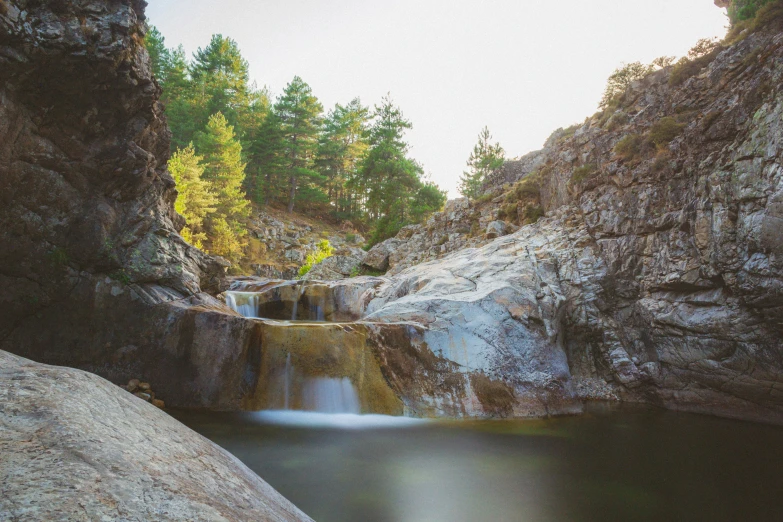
<point>93,270</point>
<point>76,447</point>
<point>655,276</point>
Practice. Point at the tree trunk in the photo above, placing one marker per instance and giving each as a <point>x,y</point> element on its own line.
<point>292,194</point>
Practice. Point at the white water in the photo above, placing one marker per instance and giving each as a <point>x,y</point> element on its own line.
<point>325,395</point>
<point>310,419</point>
<point>244,303</point>
<point>296,303</point>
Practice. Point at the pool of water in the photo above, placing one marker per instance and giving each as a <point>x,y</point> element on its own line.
<point>605,465</point>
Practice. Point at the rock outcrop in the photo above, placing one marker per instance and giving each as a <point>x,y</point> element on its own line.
<point>93,270</point>
<point>76,447</point>
<point>655,276</point>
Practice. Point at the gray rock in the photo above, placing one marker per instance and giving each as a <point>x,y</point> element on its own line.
<point>76,447</point>
<point>497,229</point>
<point>378,256</point>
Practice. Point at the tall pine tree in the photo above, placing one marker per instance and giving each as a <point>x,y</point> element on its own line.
<point>196,200</point>
<point>225,172</point>
<point>299,114</point>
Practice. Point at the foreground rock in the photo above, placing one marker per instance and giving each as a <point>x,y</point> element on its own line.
<point>76,447</point>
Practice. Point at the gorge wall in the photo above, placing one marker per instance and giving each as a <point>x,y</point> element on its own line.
<point>655,275</point>
<point>94,273</point>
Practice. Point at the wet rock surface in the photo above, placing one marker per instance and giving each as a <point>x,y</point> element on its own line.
<point>76,447</point>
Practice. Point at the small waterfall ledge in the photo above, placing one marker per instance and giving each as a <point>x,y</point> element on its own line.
<point>330,361</point>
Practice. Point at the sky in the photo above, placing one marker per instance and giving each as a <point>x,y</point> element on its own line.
<point>521,67</point>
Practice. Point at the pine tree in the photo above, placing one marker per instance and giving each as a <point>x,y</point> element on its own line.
<point>195,200</point>
<point>392,180</point>
<point>485,159</point>
<point>220,78</point>
<point>225,173</point>
<point>159,54</point>
<point>342,147</point>
<point>299,114</point>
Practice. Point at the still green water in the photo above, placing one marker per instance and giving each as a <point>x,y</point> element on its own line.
<point>603,466</point>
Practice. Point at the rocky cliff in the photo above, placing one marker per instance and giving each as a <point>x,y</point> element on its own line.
<point>656,274</point>
<point>94,273</point>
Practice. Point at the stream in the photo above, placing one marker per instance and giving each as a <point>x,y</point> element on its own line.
<point>627,464</point>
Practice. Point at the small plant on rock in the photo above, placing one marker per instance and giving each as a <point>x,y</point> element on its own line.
<point>664,131</point>
<point>323,251</point>
<point>629,148</point>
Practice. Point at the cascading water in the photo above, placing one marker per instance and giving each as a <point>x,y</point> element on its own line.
<point>244,303</point>
<point>296,303</point>
<point>326,395</point>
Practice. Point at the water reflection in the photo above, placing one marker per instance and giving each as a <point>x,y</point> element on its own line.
<point>638,465</point>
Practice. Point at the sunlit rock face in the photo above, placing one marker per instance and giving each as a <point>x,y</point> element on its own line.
<point>658,279</point>
<point>76,447</point>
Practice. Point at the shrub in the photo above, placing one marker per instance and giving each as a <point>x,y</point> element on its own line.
<point>323,251</point>
<point>620,80</point>
<point>665,130</point>
<point>484,198</point>
<point>742,10</point>
<point>700,56</point>
<point>663,62</point>
<point>509,211</point>
<point>533,213</point>
<point>351,238</point>
<point>584,172</point>
<point>629,147</point>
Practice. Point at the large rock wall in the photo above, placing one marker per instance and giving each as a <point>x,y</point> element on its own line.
<point>654,278</point>
<point>93,271</point>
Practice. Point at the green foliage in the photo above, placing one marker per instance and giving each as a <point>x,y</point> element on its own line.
<point>664,131</point>
<point>121,276</point>
<point>629,148</point>
<point>195,200</point>
<point>701,55</point>
<point>226,240</point>
<point>584,172</point>
<point>350,238</point>
<point>299,114</point>
<point>323,250</point>
<point>621,79</point>
<point>223,167</point>
<point>352,164</point>
<point>533,213</point>
<point>748,16</point>
<point>485,159</point>
<point>741,10</point>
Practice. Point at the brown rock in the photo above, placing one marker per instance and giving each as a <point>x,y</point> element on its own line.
<point>159,404</point>
<point>133,385</point>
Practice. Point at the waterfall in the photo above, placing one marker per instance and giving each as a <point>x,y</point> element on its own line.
<point>296,301</point>
<point>244,303</point>
<point>327,395</point>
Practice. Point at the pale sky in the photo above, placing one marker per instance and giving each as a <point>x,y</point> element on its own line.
<point>521,67</point>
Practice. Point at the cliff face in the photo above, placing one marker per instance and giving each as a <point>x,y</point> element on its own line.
<point>656,275</point>
<point>93,271</point>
